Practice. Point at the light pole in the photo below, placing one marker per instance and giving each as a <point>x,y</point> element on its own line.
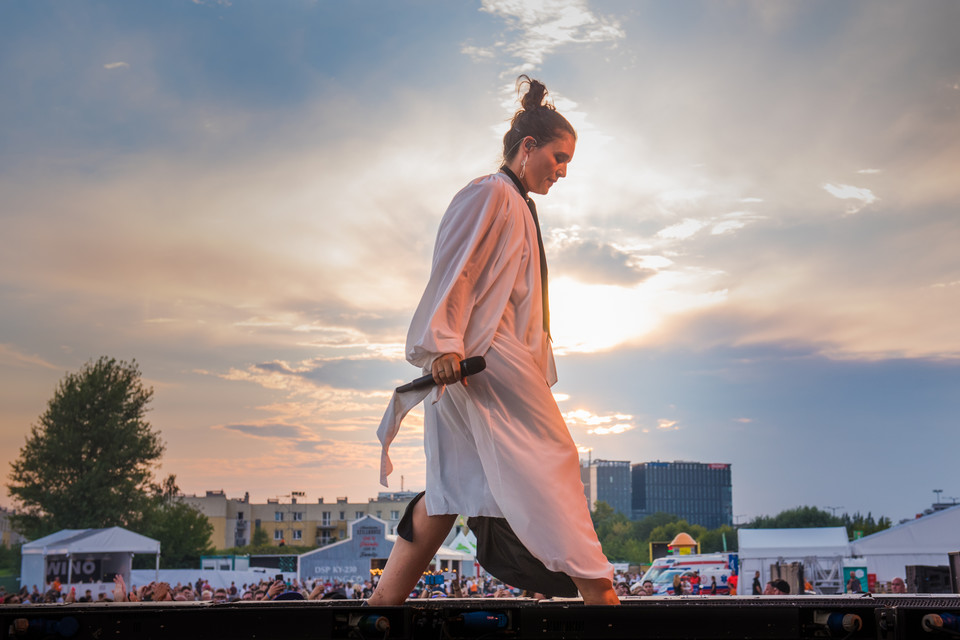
<point>833,510</point>
<point>937,492</point>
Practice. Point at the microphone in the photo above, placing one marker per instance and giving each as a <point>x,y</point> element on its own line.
<point>468,367</point>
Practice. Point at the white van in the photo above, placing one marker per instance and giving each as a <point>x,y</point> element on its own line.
<point>718,566</point>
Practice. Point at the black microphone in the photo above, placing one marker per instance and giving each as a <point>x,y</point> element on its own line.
<point>468,367</point>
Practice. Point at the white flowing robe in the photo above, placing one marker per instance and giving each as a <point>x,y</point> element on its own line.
<point>499,446</point>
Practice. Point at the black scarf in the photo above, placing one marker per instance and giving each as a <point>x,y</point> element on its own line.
<point>543,256</point>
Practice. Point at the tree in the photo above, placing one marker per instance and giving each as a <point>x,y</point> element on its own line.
<point>260,538</point>
<point>643,528</point>
<point>183,532</point>
<point>813,517</point>
<point>719,540</point>
<point>864,524</point>
<point>88,461</point>
<point>667,532</point>
<point>797,518</point>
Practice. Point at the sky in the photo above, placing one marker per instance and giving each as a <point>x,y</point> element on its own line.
<point>753,256</point>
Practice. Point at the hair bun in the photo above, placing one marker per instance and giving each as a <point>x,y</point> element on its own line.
<point>535,118</point>
<point>535,95</point>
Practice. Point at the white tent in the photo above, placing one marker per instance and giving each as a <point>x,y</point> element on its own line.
<point>465,542</point>
<point>924,541</point>
<point>84,557</point>
<point>820,549</point>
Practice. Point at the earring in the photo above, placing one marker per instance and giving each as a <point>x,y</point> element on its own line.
<point>523,167</point>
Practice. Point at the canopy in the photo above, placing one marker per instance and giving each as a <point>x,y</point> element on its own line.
<point>74,541</point>
<point>90,556</point>
<point>793,543</point>
<point>820,549</point>
<point>923,541</point>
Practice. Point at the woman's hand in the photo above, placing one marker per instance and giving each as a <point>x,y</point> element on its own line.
<point>446,369</point>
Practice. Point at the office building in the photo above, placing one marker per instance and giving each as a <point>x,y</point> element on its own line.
<point>699,492</point>
<point>609,481</point>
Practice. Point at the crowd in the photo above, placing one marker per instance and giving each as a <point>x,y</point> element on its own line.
<point>431,586</point>
<point>200,591</point>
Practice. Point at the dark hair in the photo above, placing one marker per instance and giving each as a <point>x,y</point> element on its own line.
<point>782,585</point>
<point>535,118</point>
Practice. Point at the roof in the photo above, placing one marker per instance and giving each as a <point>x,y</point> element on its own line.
<point>683,539</point>
<point>72,541</point>
<point>793,543</point>
<point>938,532</point>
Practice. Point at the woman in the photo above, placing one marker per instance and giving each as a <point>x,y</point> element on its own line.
<point>496,445</point>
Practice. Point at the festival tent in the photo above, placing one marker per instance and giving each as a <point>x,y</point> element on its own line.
<point>820,549</point>
<point>84,556</point>
<point>924,541</point>
<point>465,542</point>
<point>365,551</point>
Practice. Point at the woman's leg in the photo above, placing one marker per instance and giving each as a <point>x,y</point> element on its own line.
<point>409,559</point>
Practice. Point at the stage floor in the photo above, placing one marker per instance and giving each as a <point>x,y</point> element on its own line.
<point>879,616</point>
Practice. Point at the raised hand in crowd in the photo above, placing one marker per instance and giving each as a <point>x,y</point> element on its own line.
<point>275,589</point>
<point>119,589</point>
<point>161,591</point>
<point>317,592</point>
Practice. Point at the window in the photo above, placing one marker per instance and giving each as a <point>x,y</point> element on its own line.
<point>278,534</point>
<point>297,534</point>
<point>278,516</point>
<point>298,516</point>
<point>395,515</point>
<point>358,514</point>
<point>343,515</point>
<point>239,515</point>
<point>379,514</point>
<point>325,519</point>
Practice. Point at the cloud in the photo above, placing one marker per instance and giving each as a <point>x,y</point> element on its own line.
<point>116,65</point>
<point>284,431</point>
<point>848,192</point>
<point>596,262</point>
<point>667,425</point>
<point>599,425</point>
<point>366,374</point>
<point>477,53</point>
<point>682,230</point>
<point>542,26</point>
<point>727,226</point>
<point>9,354</point>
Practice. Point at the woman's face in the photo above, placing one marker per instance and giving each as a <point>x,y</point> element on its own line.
<point>548,163</point>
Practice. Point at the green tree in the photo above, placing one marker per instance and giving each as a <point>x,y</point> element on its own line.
<point>865,524</point>
<point>10,559</point>
<point>669,531</point>
<point>718,540</point>
<point>643,528</point>
<point>88,461</point>
<point>183,531</point>
<point>797,518</point>
<point>260,538</point>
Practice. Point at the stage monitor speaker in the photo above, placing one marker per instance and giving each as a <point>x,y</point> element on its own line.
<point>955,570</point>
<point>928,579</point>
